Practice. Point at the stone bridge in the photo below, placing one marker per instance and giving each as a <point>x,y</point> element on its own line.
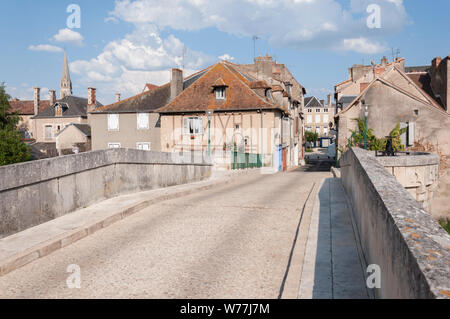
<point>142,224</point>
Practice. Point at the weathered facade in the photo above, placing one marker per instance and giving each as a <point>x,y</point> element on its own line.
<point>227,110</point>
<point>319,116</point>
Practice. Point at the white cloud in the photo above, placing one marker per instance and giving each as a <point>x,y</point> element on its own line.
<point>362,45</point>
<point>45,47</point>
<point>226,57</point>
<point>68,36</point>
<point>142,56</point>
<point>292,23</point>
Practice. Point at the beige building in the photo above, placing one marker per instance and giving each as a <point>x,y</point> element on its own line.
<point>227,110</point>
<point>74,137</point>
<point>319,116</point>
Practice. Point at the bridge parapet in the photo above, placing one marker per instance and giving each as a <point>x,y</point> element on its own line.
<point>35,192</point>
<point>396,233</point>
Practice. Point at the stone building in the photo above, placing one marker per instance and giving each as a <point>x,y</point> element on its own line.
<point>319,115</point>
<point>246,113</point>
<point>415,97</point>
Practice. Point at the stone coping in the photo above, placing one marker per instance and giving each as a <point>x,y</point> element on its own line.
<point>426,240</point>
<point>18,175</point>
<point>403,160</point>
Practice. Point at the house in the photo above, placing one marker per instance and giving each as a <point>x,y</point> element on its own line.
<point>319,115</point>
<point>231,108</point>
<point>74,138</point>
<point>60,114</point>
<point>414,99</point>
<point>133,122</point>
<point>27,109</point>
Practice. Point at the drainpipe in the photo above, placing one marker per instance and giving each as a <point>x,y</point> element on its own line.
<point>262,141</point>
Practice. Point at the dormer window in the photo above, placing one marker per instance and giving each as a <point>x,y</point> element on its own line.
<point>220,89</point>
<point>220,93</point>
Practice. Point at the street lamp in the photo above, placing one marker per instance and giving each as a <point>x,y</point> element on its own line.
<point>209,113</point>
<point>366,115</point>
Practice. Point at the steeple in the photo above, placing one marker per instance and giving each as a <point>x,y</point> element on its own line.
<point>66,84</point>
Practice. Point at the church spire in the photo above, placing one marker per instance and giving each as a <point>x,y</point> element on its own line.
<point>66,84</point>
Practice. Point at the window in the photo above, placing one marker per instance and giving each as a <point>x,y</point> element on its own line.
<point>310,119</point>
<point>193,125</point>
<point>143,146</point>
<point>317,118</point>
<point>113,145</point>
<point>318,130</point>
<point>408,138</point>
<point>317,110</point>
<point>325,119</point>
<point>325,110</point>
<point>48,132</point>
<point>58,110</point>
<point>220,93</point>
<point>113,122</point>
<point>142,121</point>
<point>325,131</point>
<point>309,110</point>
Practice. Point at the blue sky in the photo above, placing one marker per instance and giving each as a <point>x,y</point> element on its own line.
<point>121,45</point>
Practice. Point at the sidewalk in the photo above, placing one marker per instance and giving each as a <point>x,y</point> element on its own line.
<point>333,267</point>
<point>39,241</point>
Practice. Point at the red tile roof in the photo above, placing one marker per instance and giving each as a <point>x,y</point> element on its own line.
<point>27,107</point>
<point>150,87</point>
<point>200,97</point>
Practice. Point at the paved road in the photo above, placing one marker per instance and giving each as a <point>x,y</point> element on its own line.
<point>229,242</point>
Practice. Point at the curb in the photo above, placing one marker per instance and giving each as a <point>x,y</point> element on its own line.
<point>46,248</point>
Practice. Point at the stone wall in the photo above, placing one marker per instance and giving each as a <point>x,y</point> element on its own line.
<point>418,174</point>
<point>396,233</point>
<point>36,192</point>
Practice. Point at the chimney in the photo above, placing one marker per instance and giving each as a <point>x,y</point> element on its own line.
<point>329,100</point>
<point>176,84</point>
<point>52,97</point>
<point>117,97</point>
<point>37,100</point>
<point>436,62</point>
<point>92,99</point>
<point>384,61</point>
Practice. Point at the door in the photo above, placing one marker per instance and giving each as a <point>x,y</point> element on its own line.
<point>284,159</point>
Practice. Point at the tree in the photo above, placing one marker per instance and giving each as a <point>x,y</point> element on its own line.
<point>311,137</point>
<point>8,119</point>
<point>12,149</point>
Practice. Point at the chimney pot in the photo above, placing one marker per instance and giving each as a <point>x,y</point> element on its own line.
<point>92,99</point>
<point>176,84</point>
<point>37,100</point>
<point>117,97</point>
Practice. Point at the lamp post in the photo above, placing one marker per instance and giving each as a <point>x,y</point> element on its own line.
<point>366,115</point>
<point>209,113</point>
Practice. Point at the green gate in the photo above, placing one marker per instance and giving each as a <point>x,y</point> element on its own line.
<point>246,160</point>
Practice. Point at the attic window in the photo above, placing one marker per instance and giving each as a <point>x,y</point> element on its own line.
<point>220,93</point>
<point>58,110</point>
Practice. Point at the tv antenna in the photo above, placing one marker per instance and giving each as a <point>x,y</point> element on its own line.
<point>395,54</point>
<point>255,38</point>
<point>184,55</point>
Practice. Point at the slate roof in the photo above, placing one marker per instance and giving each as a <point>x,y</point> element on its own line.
<point>84,128</point>
<point>26,107</point>
<point>312,101</point>
<point>76,107</point>
<point>423,68</point>
<point>347,99</point>
<point>200,97</point>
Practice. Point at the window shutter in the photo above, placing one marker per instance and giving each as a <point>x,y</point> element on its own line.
<point>403,136</point>
<point>200,125</point>
<point>411,134</point>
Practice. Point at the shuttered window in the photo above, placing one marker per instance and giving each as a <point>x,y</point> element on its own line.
<point>113,122</point>
<point>143,121</point>
<point>193,125</point>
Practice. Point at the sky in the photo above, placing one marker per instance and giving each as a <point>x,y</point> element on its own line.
<point>118,46</point>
